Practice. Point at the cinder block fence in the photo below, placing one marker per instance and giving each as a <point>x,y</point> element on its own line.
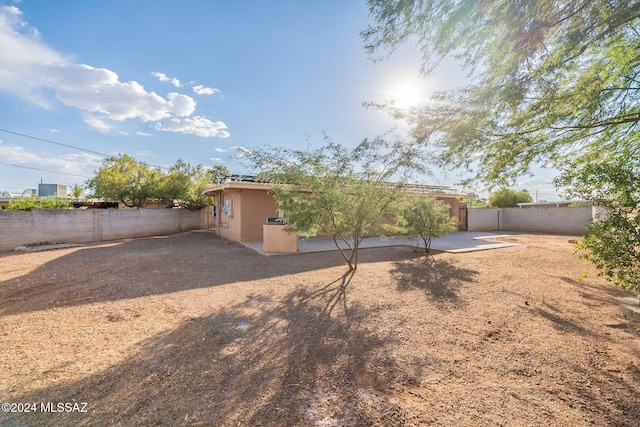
<point>94,225</point>
<point>544,219</point>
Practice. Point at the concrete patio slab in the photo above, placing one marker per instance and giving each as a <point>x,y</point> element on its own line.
<point>463,241</point>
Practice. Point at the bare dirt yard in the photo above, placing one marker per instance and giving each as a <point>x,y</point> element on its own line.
<point>194,330</point>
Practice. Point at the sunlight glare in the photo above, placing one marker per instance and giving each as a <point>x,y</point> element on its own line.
<point>407,92</point>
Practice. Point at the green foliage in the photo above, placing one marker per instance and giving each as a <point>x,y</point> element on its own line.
<point>424,217</point>
<point>343,193</point>
<point>123,178</point>
<point>612,242</point>
<point>29,203</point>
<point>476,203</point>
<point>183,185</point>
<point>136,184</point>
<point>76,191</point>
<point>217,174</point>
<point>553,82</point>
<point>507,198</point>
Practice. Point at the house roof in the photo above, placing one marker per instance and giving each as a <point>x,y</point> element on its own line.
<point>250,183</point>
<point>235,185</point>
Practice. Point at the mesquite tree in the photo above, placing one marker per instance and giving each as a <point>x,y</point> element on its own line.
<point>549,82</point>
<point>423,217</point>
<point>346,194</point>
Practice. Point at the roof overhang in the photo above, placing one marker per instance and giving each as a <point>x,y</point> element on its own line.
<point>235,186</point>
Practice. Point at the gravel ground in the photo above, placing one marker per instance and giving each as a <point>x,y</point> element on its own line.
<point>195,330</point>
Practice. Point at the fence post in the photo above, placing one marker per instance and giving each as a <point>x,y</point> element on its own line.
<point>97,225</point>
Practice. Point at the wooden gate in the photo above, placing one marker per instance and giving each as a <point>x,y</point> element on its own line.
<point>462,219</point>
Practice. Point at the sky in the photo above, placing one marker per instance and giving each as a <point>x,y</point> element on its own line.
<point>194,80</point>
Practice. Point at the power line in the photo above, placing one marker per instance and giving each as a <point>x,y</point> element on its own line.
<point>44,170</point>
<point>65,145</point>
<point>54,142</point>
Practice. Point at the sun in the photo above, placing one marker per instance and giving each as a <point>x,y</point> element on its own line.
<point>408,92</point>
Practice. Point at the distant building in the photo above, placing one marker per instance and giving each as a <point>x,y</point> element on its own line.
<point>57,190</point>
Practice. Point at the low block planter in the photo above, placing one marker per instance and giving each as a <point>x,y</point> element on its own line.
<point>277,239</point>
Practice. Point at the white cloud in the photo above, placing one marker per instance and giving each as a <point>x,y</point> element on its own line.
<point>220,150</point>
<point>216,159</point>
<point>161,76</point>
<point>164,78</point>
<point>76,163</point>
<point>31,70</point>
<point>97,123</point>
<point>143,134</point>
<point>12,9</point>
<point>55,130</point>
<point>182,105</point>
<point>99,90</point>
<point>197,125</point>
<point>203,90</point>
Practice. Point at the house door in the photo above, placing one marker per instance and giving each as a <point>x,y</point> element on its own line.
<point>462,219</point>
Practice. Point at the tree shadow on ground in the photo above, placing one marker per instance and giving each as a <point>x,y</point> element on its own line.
<point>142,267</point>
<point>591,291</point>
<point>559,321</point>
<point>438,278</point>
<point>311,357</point>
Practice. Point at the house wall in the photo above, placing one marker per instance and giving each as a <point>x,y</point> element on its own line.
<point>546,220</point>
<point>257,206</point>
<point>229,226</point>
<point>92,225</point>
<point>250,211</point>
<point>251,207</point>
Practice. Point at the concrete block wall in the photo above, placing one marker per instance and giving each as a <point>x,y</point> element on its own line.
<point>20,228</point>
<point>122,224</point>
<point>547,220</point>
<point>483,219</point>
<point>544,220</point>
<point>91,225</point>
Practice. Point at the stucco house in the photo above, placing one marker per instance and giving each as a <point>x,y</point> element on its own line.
<point>243,205</point>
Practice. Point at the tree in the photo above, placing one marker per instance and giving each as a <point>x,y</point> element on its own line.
<point>200,181</point>
<point>123,178</point>
<point>424,217</point>
<point>76,191</point>
<point>183,186</point>
<point>344,193</point>
<point>478,202</point>
<point>507,198</point>
<point>136,184</point>
<point>612,241</point>
<point>217,174</point>
<point>552,82</point>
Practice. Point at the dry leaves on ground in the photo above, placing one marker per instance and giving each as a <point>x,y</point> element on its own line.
<point>194,330</point>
